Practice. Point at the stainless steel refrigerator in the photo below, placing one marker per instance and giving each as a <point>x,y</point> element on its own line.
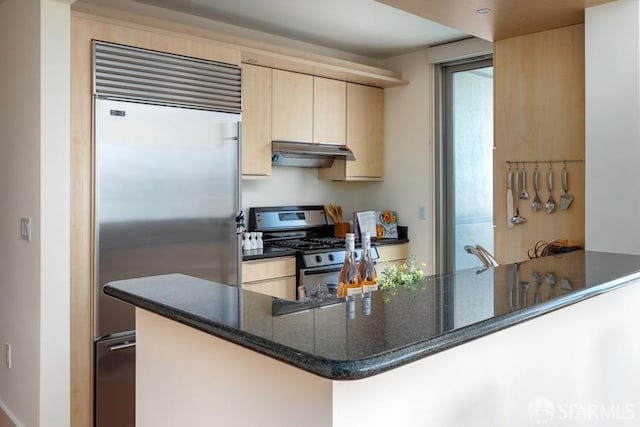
<point>167,191</point>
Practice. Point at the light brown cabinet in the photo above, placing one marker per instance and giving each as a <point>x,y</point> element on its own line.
<point>391,255</point>
<point>308,108</point>
<point>256,121</point>
<point>305,108</point>
<point>292,107</point>
<point>274,276</point>
<point>329,111</point>
<point>365,108</point>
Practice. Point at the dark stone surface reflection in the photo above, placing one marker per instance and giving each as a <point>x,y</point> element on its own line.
<point>349,339</point>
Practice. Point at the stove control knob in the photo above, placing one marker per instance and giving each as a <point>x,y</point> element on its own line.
<point>318,259</point>
<point>331,257</point>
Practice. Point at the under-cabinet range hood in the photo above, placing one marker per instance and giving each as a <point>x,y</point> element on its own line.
<point>308,155</point>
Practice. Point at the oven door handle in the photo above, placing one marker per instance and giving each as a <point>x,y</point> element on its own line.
<point>314,271</point>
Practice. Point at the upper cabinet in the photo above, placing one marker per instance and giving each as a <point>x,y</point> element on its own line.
<point>292,107</point>
<point>286,106</point>
<point>256,121</point>
<point>329,111</point>
<point>364,117</point>
<point>308,108</point>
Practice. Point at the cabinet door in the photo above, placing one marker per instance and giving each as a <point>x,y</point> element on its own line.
<point>266,269</point>
<point>364,137</point>
<point>364,130</point>
<point>256,121</point>
<point>393,252</point>
<point>283,287</point>
<point>329,111</point>
<point>292,107</point>
<point>390,255</point>
<point>274,276</point>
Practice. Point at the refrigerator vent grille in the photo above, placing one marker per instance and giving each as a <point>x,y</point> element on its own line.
<point>124,72</point>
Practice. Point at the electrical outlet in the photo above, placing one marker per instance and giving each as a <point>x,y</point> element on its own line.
<point>7,351</point>
<point>25,228</point>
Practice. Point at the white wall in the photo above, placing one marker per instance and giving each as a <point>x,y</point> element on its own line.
<point>612,146</point>
<point>297,186</point>
<point>408,153</point>
<point>34,164</point>
<point>55,216</point>
<point>409,139</point>
<point>20,194</point>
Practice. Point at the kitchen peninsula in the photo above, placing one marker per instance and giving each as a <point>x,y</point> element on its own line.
<point>503,346</point>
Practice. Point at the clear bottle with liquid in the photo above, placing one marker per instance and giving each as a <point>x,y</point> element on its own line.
<point>349,282</point>
<point>366,268</point>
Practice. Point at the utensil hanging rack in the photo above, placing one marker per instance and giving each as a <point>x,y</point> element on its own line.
<point>536,162</point>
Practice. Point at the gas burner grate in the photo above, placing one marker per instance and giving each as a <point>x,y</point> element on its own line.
<point>301,244</point>
<point>334,242</point>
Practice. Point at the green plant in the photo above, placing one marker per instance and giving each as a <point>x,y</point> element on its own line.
<point>407,274</point>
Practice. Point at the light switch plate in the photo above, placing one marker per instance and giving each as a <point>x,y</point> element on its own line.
<point>25,228</point>
<point>422,212</point>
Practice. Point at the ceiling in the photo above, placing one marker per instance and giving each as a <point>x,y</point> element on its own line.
<point>383,28</point>
<point>499,19</point>
<point>363,27</point>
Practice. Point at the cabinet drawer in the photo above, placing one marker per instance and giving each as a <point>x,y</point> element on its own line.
<point>284,287</point>
<point>268,269</point>
<point>393,252</point>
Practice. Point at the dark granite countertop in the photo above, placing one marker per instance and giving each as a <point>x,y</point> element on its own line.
<point>268,252</point>
<point>382,242</point>
<point>275,252</point>
<point>346,341</point>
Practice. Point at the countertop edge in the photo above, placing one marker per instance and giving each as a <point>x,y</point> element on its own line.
<point>366,367</point>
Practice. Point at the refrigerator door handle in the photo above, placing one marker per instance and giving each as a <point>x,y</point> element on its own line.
<point>239,205</point>
<point>122,346</point>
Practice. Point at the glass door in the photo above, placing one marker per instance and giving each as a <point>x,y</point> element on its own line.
<point>465,163</point>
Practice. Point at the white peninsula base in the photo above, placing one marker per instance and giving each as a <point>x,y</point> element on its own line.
<point>571,367</point>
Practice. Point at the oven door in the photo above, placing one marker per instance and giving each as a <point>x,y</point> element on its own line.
<point>312,279</point>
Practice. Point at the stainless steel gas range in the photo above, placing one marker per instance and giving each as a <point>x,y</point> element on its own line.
<point>319,255</point>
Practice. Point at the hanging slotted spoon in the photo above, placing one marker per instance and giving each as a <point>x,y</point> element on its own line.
<point>536,205</point>
<point>524,194</point>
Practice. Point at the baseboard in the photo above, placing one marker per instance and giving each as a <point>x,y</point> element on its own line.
<point>7,419</point>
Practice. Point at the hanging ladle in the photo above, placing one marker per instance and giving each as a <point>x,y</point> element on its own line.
<point>536,205</point>
<point>551,204</point>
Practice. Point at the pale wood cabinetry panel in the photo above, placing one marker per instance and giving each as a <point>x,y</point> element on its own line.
<point>256,121</point>
<point>365,107</point>
<point>539,114</point>
<point>292,107</point>
<point>329,111</point>
<point>391,255</point>
<point>274,276</point>
<point>268,269</point>
<point>284,287</point>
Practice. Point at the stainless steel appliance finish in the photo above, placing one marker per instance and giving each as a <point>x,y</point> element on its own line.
<point>310,155</point>
<point>292,218</point>
<point>116,400</point>
<point>304,228</point>
<point>167,194</point>
<point>125,72</point>
<point>166,198</point>
<point>324,268</point>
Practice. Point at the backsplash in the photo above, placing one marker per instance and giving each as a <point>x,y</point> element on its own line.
<point>300,186</point>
